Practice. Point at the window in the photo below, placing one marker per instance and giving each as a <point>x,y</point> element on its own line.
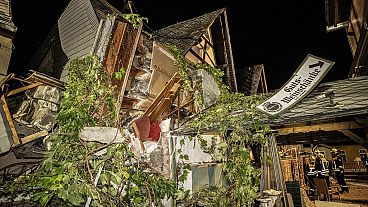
<point>362,152</point>
<point>343,155</point>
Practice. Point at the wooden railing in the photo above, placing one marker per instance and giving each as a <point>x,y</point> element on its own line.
<point>356,166</point>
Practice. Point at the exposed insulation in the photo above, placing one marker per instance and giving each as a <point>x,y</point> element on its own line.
<point>141,67</point>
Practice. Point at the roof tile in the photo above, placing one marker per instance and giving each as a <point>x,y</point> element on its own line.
<point>185,34</point>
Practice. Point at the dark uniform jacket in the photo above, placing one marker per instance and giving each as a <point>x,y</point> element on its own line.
<point>337,164</point>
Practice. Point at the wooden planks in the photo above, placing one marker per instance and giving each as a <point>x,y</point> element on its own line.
<point>320,127</point>
<point>162,94</point>
<point>127,72</point>
<point>114,47</point>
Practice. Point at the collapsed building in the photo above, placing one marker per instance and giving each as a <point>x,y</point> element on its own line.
<point>148,95</point>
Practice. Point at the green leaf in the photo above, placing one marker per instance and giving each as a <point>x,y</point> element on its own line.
<point>119,74</point>
<point>138,200</point>
<point>44,199</point>
<point>126,175</point>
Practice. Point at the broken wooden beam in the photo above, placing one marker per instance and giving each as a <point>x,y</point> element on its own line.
<point>24,88</point>
<point>34,136</point>
<point>165,103</point>
<point>163,93</point>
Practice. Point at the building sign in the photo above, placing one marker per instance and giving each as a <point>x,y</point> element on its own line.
<point>307,76</point>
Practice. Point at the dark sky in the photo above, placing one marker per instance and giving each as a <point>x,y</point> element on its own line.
<point>278,34</point>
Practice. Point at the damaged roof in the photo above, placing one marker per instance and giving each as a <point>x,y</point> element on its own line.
<point>342,98</point>
<point>350,99</point>
<point>102,8</point>
<point>187,33</point>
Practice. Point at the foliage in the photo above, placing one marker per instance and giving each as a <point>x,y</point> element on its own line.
<point>238,133</point>
<point>135,19</point>
<point>66,176</point>
<point>187,70</point>
<point>119,74</point>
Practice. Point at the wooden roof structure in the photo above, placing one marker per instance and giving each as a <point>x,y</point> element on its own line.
<point>254,80</point>
<point>186,34</point>
<point>335,112</point>
<point>352,16</point>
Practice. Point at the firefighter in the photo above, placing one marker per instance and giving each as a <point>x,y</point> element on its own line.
<point>311,172</point>
<point>322,167</point>
<point>365,161</point>
<point>338,168</point>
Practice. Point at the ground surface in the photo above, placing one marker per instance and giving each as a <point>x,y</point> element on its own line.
<point>358,193</point>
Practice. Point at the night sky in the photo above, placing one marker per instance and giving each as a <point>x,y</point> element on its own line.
<point>278,34</point>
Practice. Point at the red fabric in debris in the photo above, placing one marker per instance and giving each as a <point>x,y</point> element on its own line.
<point>143,125</point>
<point>155,131</point>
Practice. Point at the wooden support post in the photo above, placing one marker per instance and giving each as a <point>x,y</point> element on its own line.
<point>22,80</point>
<point>180,107</point>
<point>196,55</point>
<point>264,80</point>
<point>204,51</point>
<point>9,118</point>
<point>207,41</point>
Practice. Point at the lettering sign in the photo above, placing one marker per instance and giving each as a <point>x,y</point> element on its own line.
<point>303,81</point>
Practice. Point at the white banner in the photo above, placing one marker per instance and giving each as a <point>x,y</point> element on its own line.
<point>303,81</point>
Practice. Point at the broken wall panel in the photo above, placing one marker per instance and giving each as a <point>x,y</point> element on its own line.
<point>193,149</point>
<point>105,30</point>
<point>163,65</point>
<point>209,88</point>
